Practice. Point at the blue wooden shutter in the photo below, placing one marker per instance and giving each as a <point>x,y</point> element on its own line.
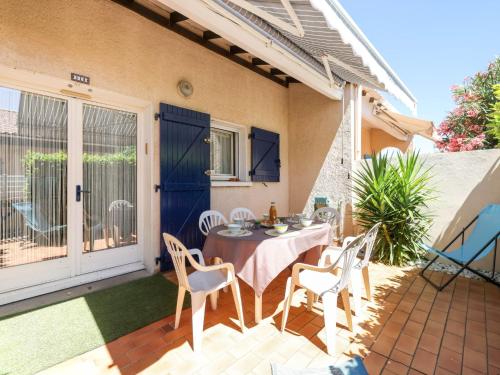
<point>265,155</point>
<point>185,187</point>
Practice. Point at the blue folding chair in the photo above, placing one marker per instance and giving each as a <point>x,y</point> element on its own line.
<point>37,223</point>
<point>481,242</point>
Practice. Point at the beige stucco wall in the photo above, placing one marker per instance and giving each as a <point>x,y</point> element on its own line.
<point>128,54</point>
<point>320,137</point>
<point>379,139</point>
<point>465,182</point>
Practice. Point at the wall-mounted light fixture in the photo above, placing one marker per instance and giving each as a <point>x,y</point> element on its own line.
<point>185,88</point>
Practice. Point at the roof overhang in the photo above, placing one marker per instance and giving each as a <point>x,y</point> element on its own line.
<point>218,19</point>
<point>314,41</point>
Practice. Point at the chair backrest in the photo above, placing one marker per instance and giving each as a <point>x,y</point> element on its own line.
<point>210,219</point>
<point>241,213</point>
<point>487,226</point>
<point>327,214</point>
<point>369,243</point>
<point>348,260</point>
<point>179,253</point>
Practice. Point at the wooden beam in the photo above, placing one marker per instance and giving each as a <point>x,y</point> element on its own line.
<point>277,72</point>
<point>363,92</point>
<point>176,17</point>
<point>257,61</point>
<point>209,35</point>
<point>292,80</point>
<point>165,22</point>
<point>372,99</point>
<point>234,50</point>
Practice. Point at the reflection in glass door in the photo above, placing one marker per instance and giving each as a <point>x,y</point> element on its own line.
<point>33,178</point>
<point>109,191</point>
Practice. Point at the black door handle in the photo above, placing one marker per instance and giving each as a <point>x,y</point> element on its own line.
<point>79,192</point>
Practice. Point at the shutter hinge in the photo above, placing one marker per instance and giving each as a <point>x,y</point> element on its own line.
<point>251,173</point>
<point>157,260</point>
<point>157,188</point>
<point>157,116</point>
<point>251,136</point>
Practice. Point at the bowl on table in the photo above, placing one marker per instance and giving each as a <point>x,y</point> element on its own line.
<point>234,228</point>
<point>281,228</point>
<point>305,222</point>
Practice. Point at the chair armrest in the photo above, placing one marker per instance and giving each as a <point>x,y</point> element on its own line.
<point>297,267</point>
<point>198,253</point>
<point>221,266</point>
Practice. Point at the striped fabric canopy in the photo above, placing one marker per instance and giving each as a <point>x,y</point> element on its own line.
<point>324,37</point>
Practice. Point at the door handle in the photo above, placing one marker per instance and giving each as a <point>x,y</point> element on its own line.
<point>208,172</point>
<point>79,192</point>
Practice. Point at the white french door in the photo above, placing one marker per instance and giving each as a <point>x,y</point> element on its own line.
<point>68,188</point>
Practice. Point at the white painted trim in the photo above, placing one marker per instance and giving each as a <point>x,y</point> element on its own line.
<point>231,184</point>
<point>293,16</point>
<point>220,21</point>
<point>352,70</point>
<point>242,156</point>
<point>67,269</point>
<point>28,292</point>
<point>328,70</point>
<point>358,118</point>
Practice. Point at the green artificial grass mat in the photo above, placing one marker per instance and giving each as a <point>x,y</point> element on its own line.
<point>34,340</point>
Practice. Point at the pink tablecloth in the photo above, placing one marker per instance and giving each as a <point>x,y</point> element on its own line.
<point>259,258</point>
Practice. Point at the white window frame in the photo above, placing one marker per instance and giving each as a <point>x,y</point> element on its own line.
<point>240,148</point>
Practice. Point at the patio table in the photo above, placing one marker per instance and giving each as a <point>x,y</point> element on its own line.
<point>259,258</point>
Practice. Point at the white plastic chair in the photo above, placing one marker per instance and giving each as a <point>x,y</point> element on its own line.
<point>360,272</point>
<point>210,219</point>
<point>327,214</point>
<point>241,213</point>
<point>321,281</point>
<point>206,280</point>
<point>116,210</point>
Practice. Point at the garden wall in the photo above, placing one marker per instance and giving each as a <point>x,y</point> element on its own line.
<point>465,183</point>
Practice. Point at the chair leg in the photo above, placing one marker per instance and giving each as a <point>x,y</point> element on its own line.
<point>310,300</point>
<point>347,306</point>
<point>198,315</point>
<point>366,278</point>
<point>213,299</point>
<point>288,301</point>
<point>180,302</point>
<point>356,285</point>
<point>235,288</point>
<point>330,316</point>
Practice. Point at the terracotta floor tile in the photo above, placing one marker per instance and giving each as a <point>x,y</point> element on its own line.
<point>413,329</point>
<point>441,371</point>
<point>419,316</point>
<point>424,361</point>
<point>407,344</point>
<point>455,327</point>
<point>374,363</point>
<point>475,360</point>
<point>450,360</point>
<point>402,357</point>
<point>476,342</point>
<point>396,367</point>
<point>430,343</point>
<point>434,328</point>
<point>457,315</point>
<point>384,344</point>
<point>494,340</point>
<point>494,357</point>
<point>453,342</point>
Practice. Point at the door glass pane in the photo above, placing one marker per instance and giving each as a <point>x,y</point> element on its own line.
<point>33,177</point>
<point>109,178</point>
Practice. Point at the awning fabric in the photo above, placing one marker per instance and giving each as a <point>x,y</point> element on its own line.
<point>409,125</point>
<point>327,31</point>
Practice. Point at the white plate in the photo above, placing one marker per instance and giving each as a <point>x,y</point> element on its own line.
<point>272,232</point>
<point>228,233</point>
<point>312,226</point>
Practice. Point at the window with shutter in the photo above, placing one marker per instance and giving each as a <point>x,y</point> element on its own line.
<point>265,155</point>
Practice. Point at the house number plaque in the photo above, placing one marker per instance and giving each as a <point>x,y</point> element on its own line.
<point>80,78</point>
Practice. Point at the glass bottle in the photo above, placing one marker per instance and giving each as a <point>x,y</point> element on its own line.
<point>273,214</point>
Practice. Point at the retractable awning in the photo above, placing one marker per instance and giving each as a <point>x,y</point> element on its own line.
<point>408,125</point>
<point>323,30</point>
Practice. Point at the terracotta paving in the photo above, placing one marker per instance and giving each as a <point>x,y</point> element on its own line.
<point>409,328</point>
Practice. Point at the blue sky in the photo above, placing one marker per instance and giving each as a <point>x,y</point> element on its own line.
<point>431,44</point>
